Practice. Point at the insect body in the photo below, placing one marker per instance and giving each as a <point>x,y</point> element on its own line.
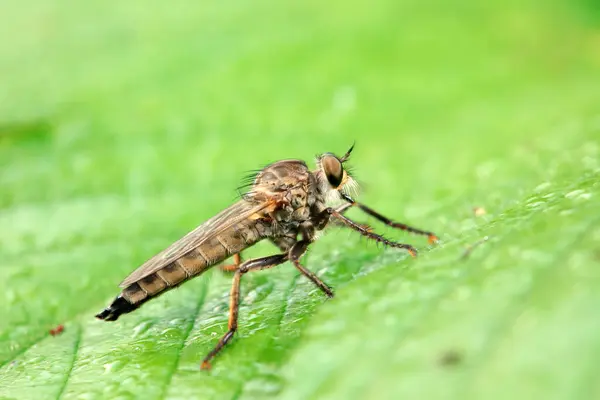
<point>286,204</point>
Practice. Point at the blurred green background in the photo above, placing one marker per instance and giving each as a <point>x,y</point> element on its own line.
<point>124,125</point>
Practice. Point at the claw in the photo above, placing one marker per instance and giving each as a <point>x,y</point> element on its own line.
<point>412,252</point>
<point>432,239</point>
<point>205,365</point>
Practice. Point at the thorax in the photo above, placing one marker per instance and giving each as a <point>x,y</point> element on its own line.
<point>295,189</point>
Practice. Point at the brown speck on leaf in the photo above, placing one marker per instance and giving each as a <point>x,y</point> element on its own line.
<point>470,248</point>
<point>450,358</point>
<point>57,331</point>
<point>479,211</point>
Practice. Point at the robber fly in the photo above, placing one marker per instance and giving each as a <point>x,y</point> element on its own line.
<point>287,204</point>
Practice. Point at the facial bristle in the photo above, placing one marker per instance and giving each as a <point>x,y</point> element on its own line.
<point>351,188</point>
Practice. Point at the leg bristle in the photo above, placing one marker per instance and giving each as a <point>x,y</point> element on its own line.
<point>118,306</point>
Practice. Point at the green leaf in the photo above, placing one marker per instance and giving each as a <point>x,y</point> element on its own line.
<point>124,125</point>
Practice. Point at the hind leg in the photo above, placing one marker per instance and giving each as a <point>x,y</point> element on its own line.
<point>234,299</point>
<point>237,260</point>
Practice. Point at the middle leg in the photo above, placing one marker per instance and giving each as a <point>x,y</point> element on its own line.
<point>295,253</point>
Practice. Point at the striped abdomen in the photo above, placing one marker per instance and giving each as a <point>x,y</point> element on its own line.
<point>212,251</point>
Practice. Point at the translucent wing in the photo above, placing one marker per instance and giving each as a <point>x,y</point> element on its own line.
<point>239,211</point>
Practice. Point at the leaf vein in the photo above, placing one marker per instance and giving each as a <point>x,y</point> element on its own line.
<point>186,335</point>
<point>76,347</point>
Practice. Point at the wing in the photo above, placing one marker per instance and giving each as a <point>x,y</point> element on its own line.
<point>239,211</point>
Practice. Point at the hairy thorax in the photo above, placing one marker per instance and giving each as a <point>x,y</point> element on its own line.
<point>297,199</point>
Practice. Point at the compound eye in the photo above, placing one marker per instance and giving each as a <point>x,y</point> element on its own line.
<point>333,170</point>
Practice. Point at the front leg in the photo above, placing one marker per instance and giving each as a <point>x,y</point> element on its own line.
<point>432,238</point>
<point>321,219</point>
<point>342,209</point>
<point>366,232</point>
